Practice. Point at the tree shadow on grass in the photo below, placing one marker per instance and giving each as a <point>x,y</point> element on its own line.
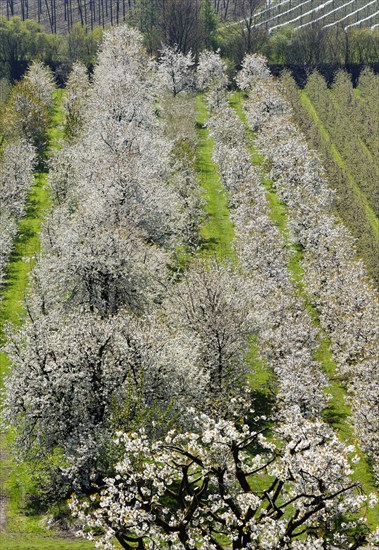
<point>32,209</point>
<point>210,244</point>
<point>335,417</point>
<point>263,403</point>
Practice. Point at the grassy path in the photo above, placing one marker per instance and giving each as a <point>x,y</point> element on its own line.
<point>217,232</point>
<point>338,414</point>
<point>23,531</point>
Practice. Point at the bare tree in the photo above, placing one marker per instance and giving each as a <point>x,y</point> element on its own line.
<point>181,21</point>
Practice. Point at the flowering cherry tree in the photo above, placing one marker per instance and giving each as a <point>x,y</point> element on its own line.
<point>75,99</point>
<point>254,69</point>
<point>211,77</point>
<point>225,484</point>
<point>17,161</point>
<point>75,378</point>
<point>211,304</point>
<point>27,111</point>
<point>175,70</point>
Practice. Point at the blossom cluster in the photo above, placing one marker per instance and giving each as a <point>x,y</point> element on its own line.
<point>193,489</point>
<point>17,161</point>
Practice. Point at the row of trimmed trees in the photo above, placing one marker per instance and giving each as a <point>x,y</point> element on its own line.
<point>336,282</point>
<point>23,134</point>
<point>341,123</point>
<point>286,339</point>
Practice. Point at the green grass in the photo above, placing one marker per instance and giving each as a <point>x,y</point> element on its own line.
<point>24,530</point>
<point>338,413</point>
<point>217,231</point>
<point>36,542</point>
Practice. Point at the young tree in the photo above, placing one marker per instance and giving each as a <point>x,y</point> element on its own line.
<point>211,77</point>
<point>253,70</point>
<point>211,72</point>
<point>211,304</point>
<point>175,69</point>
<point>75,100</point>
<point>41,80</point>
<point>26,115</point>
<point>5,88</point>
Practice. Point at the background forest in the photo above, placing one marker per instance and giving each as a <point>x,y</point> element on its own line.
<point>234,27</point>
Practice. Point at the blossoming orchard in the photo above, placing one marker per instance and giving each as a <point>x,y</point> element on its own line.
<point>196,363</point>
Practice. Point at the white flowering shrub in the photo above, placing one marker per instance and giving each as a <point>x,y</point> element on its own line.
<point>17,162</point>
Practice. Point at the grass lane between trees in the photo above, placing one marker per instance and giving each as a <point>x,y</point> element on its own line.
<point>217,231</point>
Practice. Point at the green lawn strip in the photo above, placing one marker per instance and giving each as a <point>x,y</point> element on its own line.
<point>337,157</point>
<point>338,413</point>
<point>41,542</point>
<point>217,231</point>
<point>27,530</point>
